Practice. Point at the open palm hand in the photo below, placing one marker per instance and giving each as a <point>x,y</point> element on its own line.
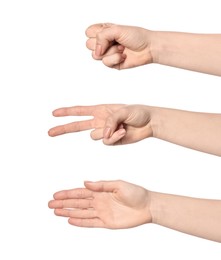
<point>107,204</point>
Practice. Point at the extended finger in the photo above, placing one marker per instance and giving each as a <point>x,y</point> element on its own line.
<point>79,193</point>
<point>74,111</point>
<point>71,127</point>
<point>76,213</point>
<point>71,203</point>
<point>89,223</point>
<point>97,134</point>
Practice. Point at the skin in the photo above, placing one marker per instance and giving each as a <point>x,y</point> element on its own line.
<point>115,124</point>
<point>124,47</point>
<point>126,124</point>
<point>104,204</point>
<point>120,47</point>
<point>119,204</point>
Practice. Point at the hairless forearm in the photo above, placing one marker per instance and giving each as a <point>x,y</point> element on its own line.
<point>198,131</point>
<point>196,52</point>
<point>198,217</point>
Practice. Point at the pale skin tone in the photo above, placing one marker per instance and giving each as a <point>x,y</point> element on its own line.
<point>118,204</point>
<point>125,124</point>
<point>121,205</point>
<point>124,47</point>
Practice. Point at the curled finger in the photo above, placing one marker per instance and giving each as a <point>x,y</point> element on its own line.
<point>97,134</point>
<point>115,138</point>
<point>113,61</point>
<point>114,49</point>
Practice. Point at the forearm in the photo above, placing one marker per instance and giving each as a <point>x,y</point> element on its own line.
<point>198,217</point>
<point>198,131</point>
<point>196,52</point>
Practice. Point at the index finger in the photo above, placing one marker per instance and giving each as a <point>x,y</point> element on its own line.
<point>78,193</point>
<point>74,111</point>
<point>71,128</point>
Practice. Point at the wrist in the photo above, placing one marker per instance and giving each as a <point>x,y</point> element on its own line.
<point>155,46</point>
<point>155,121</point>
<point>156,207</point>
<point>166,47</point>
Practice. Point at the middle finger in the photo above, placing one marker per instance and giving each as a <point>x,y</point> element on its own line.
<point>71,203</point>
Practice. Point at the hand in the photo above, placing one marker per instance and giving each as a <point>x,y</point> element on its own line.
<point>106,204</point>
<point>115,124</point>
<point>120,47</point>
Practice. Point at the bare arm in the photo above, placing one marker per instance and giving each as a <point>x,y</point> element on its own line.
<point>196,52</point>
<point>198,217</point>
<point>122,124</point>
<point>198,131</point>
<point>123,47</point>
<point>119,204</point>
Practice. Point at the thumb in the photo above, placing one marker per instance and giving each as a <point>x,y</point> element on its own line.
<point>114,122</point>
<point>102,186</point>
<point>106,38</point>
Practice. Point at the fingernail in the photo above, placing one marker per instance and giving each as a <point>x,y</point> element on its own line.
<point>50,132</point>
<point>124,56</point>
<point>121,48</point>
<point>98,50</point>
<point>107,132</point>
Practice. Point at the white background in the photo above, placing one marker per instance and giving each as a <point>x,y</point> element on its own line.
<point>44,64</point>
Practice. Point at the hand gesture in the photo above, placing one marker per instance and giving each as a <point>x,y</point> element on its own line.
<point>105,204</point>
<point>120,47</point>
<point>115,124</point>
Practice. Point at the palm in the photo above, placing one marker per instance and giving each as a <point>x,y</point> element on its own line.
<point>124,208</point>
<point>114,205</point>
